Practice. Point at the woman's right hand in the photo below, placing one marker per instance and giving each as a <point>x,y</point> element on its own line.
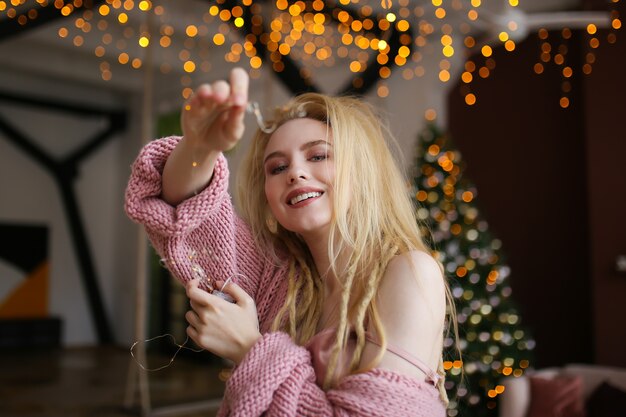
<point>212,122</point>
<point>212,118</point>
<point>224,328</point>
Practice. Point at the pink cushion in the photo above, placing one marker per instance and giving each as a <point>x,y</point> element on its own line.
<point>560,396</point>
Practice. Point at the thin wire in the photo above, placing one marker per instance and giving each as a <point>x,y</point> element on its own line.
<point>253,107</point>
<point>172,358</point>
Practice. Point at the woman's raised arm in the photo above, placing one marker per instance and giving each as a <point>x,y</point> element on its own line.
<point>212,122</point>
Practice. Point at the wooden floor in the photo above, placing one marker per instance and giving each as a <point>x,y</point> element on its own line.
<point>86,382</point>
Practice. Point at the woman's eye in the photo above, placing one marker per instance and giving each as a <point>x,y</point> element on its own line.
<point>278,169</point>
<point>319,157</point>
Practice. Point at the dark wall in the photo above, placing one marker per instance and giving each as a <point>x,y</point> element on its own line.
<point>605,118</point>
<point>551,187</point>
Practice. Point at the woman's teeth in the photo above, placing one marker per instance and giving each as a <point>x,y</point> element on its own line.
<point>304,196</point>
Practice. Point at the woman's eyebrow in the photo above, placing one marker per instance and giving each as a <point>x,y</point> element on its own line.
<point>274,154</point>
<point>305,146</point>
<point>314,143</point>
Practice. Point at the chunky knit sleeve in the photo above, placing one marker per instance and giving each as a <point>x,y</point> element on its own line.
<point>276,378</point>
<point>203,234</point>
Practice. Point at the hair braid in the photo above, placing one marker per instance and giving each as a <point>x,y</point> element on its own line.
<point>289,300</point>
<point>367,304</point>
<point>343,329</point>
<point>441,384</point>
<point>303,303</point>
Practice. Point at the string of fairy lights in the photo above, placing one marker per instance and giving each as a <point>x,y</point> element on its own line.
<point>556,52</point>
<point>349,34</point>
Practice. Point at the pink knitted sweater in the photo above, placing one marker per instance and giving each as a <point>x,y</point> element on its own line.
<point>276,377</point>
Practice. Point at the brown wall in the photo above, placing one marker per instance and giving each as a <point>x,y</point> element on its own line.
<point>605,130</point>
<point>552,185</point>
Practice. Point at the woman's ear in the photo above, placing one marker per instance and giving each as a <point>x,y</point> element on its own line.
<point>271,223</point>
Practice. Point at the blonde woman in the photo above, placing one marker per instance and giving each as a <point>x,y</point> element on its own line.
<point>338,308</point>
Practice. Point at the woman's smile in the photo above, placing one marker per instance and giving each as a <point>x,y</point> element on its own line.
<point>303,197</point>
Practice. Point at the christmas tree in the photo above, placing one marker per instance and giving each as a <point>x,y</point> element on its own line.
<point>492,342</point>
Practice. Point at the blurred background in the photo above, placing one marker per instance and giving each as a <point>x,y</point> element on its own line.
<point>509,118</point>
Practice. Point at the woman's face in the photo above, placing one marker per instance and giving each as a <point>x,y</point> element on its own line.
<point>299,173</point>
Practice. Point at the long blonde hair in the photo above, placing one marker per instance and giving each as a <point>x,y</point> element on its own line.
<point>373,221</point>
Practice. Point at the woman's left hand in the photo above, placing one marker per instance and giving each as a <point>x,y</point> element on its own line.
<point>227,329</point>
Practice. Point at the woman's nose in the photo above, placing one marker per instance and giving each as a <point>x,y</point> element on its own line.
<point>296,174</point>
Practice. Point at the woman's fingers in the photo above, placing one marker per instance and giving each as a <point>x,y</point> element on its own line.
<point>204,104</point>
<point>214,114</point>
<point>192,318</point>
<point>203,94</point>
<point>221,92</point>
<point>239,82</point>
<point>233,117</point>
<point>198,297</point>
<point>239,295</point>
<point>200,300</point>
<point>233,124</point>
<point>232,93</point>
<point>192,333</point>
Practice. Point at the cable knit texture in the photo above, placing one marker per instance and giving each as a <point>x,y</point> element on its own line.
<point>276,377</point>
